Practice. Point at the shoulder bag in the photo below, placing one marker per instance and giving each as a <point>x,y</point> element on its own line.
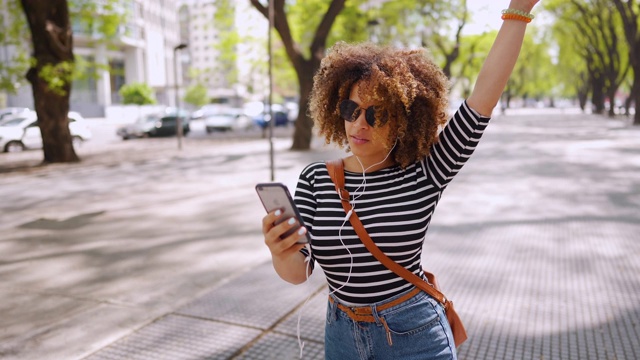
<point>336,172</point>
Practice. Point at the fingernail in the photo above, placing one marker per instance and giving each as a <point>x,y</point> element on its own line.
<point>291,221</point>
<point>302,231</point>
<point>278,212</point>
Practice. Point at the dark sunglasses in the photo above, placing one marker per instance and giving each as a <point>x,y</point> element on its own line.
<point>350,111</point>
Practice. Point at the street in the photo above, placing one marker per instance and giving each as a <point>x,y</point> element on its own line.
<point>140,226</point>
<point>106,144</point>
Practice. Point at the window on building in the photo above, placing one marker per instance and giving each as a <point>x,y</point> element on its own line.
<point>137,10</point>
<point>117,79</point>
<point>84,89</point>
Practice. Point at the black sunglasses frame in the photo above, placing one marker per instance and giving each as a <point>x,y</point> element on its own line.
<point>350,111</point>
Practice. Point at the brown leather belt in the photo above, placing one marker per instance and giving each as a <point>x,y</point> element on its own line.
<point>365,313</point>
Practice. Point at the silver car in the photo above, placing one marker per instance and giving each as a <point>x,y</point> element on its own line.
<point>229,119</point>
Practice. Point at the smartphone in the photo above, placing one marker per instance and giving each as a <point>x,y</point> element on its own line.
<point>277,196</point>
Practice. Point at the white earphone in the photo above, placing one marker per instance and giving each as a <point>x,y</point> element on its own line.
<point>363,185</point>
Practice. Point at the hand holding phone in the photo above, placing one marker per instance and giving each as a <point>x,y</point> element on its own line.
<point>276,196</point>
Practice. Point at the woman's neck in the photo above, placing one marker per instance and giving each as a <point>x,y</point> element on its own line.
<point>352,164</point>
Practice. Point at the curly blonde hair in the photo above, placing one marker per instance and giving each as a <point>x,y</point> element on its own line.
<point>411,90</point>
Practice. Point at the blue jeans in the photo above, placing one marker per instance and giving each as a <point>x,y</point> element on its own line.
<point>418,329</point>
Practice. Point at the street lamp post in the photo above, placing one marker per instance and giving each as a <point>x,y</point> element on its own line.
<point>272,119</point>
<point>177,90</point>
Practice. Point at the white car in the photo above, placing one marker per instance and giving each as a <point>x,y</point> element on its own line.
<point>12,112</point>
<point>226,120</point>
<point>22,132</point>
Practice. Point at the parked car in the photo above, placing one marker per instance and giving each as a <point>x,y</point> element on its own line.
<point>161,124</point>
<point>279,112</point>
<point>207,109</point>
<point>226,120</point>
<point>13,111</point>
<point>21,132</point>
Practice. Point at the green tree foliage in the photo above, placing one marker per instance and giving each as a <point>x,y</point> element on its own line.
<point>436,25</point>
<point>439,26</point>
<point>100,20</point>
<point>630,14</point>
<point>14,61</point>
<point>452,16</point>
<point>550,66</point>
<point>196,95</point>
<point>37,40</point>
<point>531,77</point>
<point>228,38</point>
<point>473,51</point>
<point>305,60</point>
<point>571,69</point>
<point>593,30</point>
<point>137,93</point>
<point>307,28</point>
<point>350,26</point>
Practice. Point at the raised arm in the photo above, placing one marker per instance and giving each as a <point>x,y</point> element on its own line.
<point>500,62</point>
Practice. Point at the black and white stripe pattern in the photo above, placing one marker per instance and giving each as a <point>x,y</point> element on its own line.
<point>395,205</point>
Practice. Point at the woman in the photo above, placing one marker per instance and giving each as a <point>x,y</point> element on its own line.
<point>386,106</point>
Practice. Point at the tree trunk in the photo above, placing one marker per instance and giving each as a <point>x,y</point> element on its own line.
<point>635,96</point>
<point>305,68</point>
<point>597,95</point>
<point>629,12</point>
<point>450,58</point>
<point>508,95</point>
<point>583,90</point>
<point>582,100</point>
<point>52,48</point>
<point>627,105</point>
<point>612,103</point>
<point>304,124</point>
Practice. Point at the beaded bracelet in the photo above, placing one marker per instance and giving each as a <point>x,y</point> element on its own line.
<point>517,12</point>
<point>516,17</point>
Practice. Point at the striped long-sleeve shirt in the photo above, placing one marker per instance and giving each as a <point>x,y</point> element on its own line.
<point>394,204</point>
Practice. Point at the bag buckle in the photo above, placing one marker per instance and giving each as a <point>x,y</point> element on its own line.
<point>447,304</point>
<point>343,194</point>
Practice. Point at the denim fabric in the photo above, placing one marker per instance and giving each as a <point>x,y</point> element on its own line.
<point>419,330</point>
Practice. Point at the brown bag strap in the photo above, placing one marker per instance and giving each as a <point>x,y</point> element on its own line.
<point>336,172</point>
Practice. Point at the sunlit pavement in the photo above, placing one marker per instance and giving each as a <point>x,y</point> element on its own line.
<point>144,251</point>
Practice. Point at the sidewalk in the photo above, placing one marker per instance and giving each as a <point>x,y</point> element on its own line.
<point>161,257</point>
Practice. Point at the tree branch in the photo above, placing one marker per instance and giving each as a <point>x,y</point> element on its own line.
<point>281,25</point>
<point>262,9</point>
<point>322,32</point>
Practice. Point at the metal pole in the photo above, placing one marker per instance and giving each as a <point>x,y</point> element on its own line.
<point>271,117</point>
<point>177,90</point>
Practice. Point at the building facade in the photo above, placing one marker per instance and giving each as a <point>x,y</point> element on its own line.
<point>141,52</point>
<point>227,48</point>
<point>145,50</point>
